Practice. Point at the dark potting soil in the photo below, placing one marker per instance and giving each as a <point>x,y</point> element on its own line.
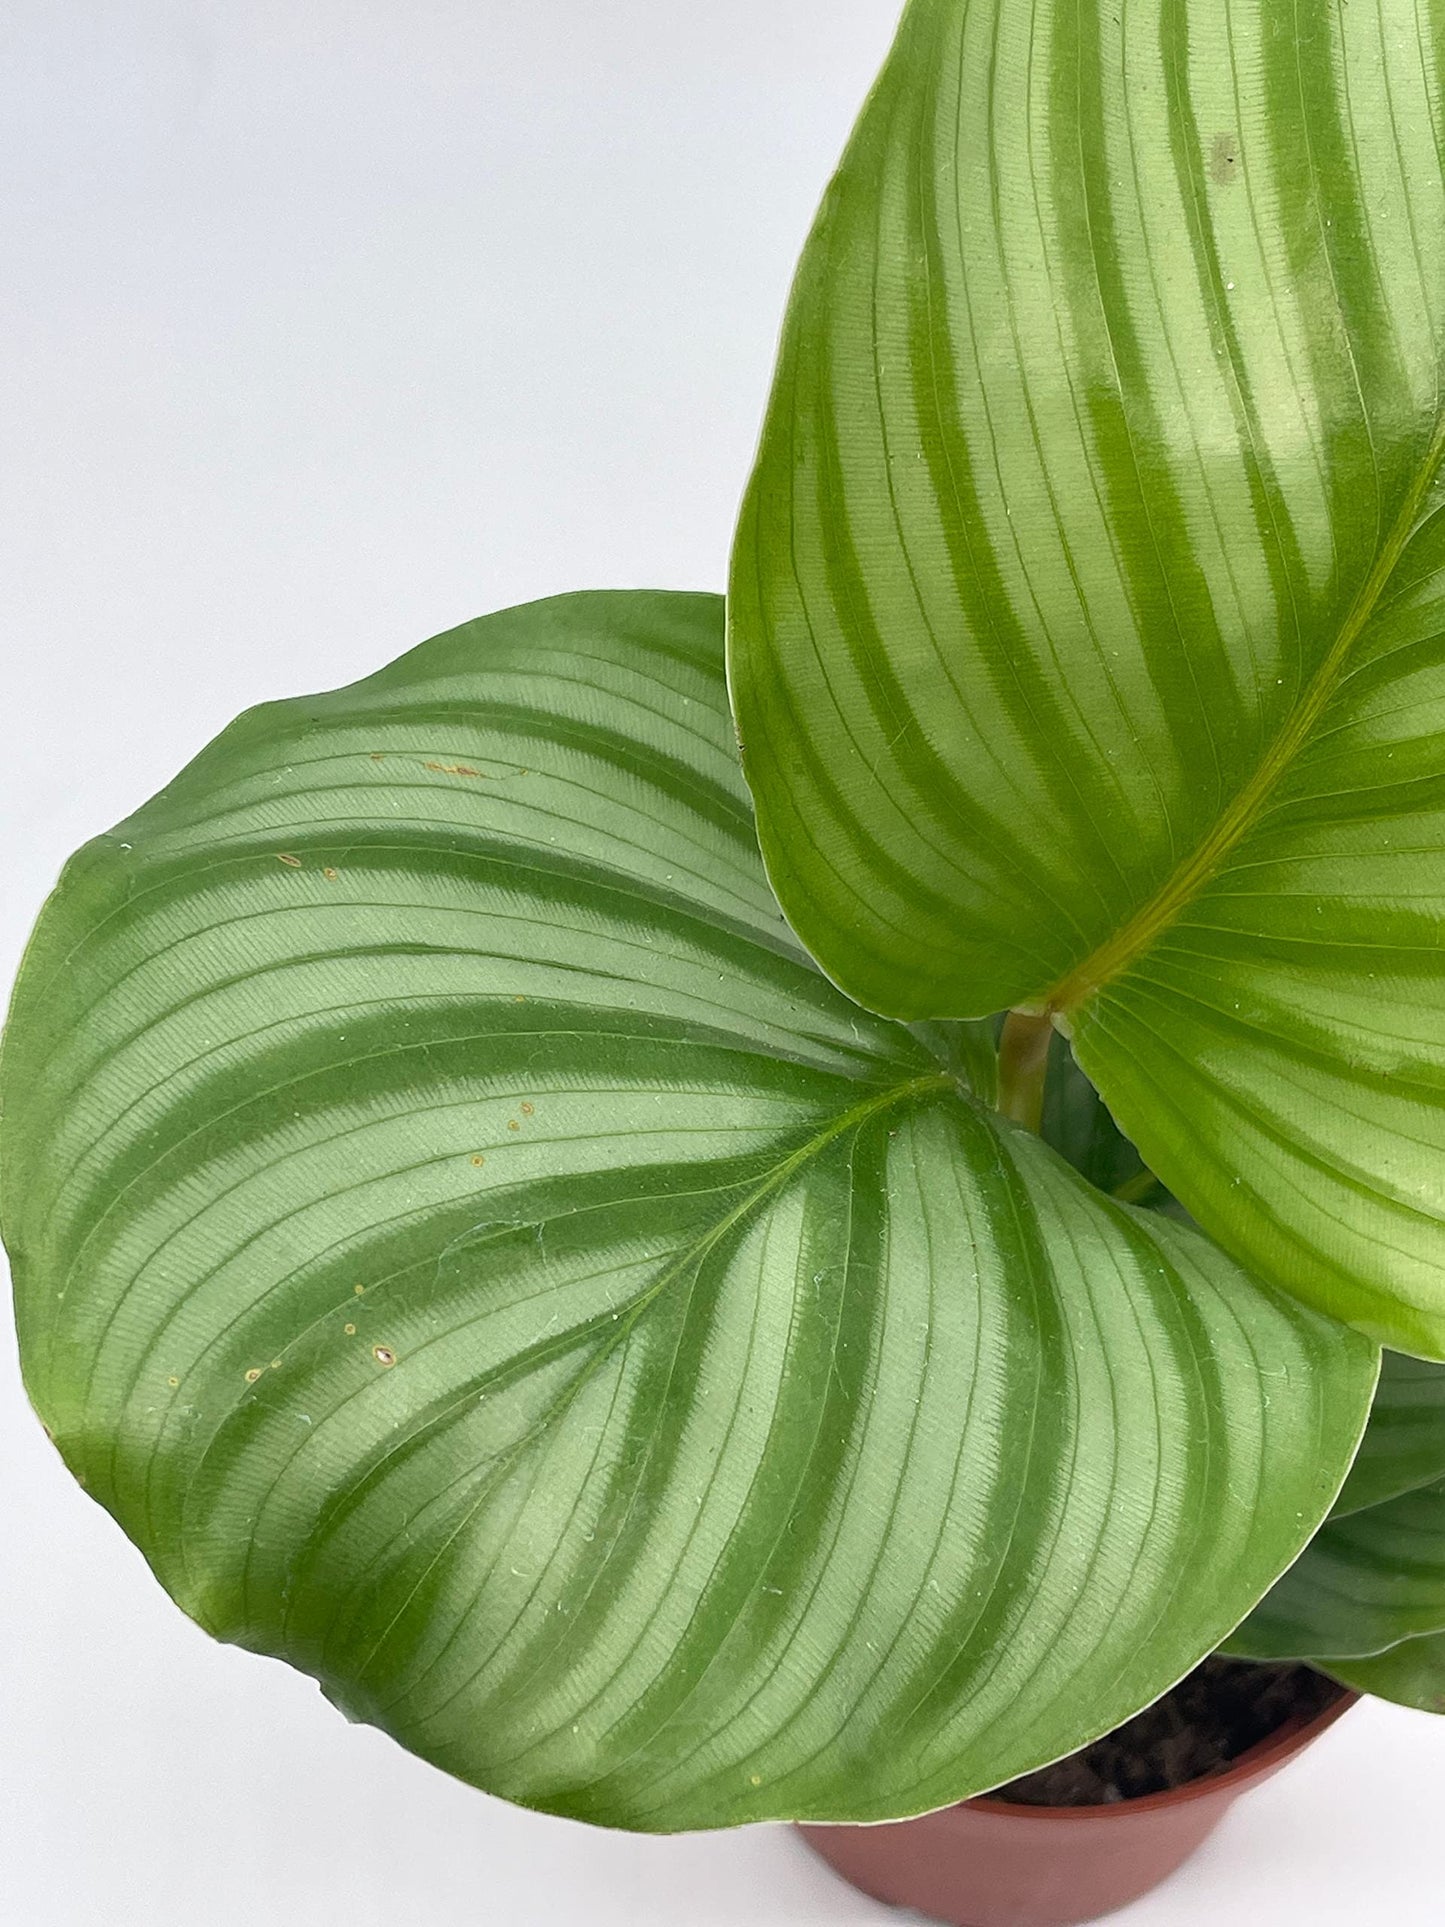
<point>1219,1711</point>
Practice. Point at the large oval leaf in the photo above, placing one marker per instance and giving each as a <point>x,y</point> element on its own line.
<point>1088,632</point>
<point>480,1260</point>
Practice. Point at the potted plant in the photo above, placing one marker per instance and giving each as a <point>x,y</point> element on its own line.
<point>694,1288</point>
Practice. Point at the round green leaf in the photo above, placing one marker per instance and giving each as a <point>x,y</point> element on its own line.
<point>479,1259</point>
<point>1087,601</point>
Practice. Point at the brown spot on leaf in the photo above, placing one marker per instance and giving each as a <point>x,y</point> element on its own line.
<point>1224,160</point>
<point>331,875</point>
<point>351,1331</point>
<point>383,1354</point>
<point>513,1125</point>
<point>253,1374</point>
<point>479,1160</point>
<point>291,862</point>
<point>528,1109</point>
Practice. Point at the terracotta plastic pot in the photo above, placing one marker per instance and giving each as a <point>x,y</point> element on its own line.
<point>988,1863</point>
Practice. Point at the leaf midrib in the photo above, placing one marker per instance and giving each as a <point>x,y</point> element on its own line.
<point>1114,956</point>
<point>617,1330</point>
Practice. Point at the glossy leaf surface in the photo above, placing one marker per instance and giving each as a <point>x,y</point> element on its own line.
<point>1088,636</point>
<point>479,1259</point>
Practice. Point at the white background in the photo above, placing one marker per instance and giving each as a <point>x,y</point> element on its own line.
<point>326,325</point>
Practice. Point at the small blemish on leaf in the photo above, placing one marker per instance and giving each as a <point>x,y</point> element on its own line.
<point>378,756</point>
<point>528,1109</point>
<point>275,1364</point>
<point>331,875</point>
<point>1224,159</point>
<point>291,862</point>
<point>383,1354</point>
<point>173,1381</point>
<point>351,1331</point>
<point>360,1290</point>
<point>453,769</point>
<point>513,1125</point>
<point>253,1374</point>
<point>756,1779</point>
<point>479,1160</point>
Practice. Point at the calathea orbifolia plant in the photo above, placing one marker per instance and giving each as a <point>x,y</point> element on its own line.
<point>477,1253</point>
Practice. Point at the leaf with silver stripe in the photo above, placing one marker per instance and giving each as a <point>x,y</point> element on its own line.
<point>1088,604</point>
<point>480,1260</point>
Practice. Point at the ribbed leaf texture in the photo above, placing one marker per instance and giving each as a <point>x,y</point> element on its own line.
<point>1088,635</point>
<point>479,1259</point>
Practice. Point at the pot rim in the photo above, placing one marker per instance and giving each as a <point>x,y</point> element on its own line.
<point>1255,1763</point>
